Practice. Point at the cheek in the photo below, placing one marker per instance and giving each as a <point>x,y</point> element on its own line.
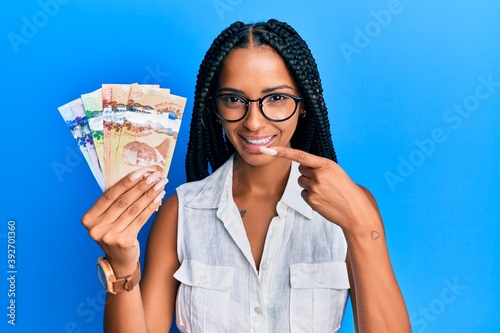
<point>228,129</point>
<point>290,127</point>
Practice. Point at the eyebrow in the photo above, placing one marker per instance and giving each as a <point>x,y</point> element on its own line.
<point>265,91</point>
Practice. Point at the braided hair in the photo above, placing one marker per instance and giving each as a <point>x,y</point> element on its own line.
<point>208,147</point>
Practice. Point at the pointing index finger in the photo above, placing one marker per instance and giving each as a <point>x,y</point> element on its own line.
<point>296,155</point>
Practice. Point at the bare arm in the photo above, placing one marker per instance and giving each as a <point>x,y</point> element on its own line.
<point>377,300</point>
<point>378,304</point>
<point>114,222</point>
<point>151,308</point>
<point>159,288</point>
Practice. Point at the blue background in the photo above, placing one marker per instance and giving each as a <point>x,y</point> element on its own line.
<point>395,74</point>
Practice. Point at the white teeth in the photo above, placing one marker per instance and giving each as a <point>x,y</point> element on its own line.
<point>260,141</point>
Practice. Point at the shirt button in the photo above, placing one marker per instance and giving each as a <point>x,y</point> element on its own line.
<point>276,228</point>
<point>201,277</point>
<point>265,266</point>
<point>258,310</point>
<point>283,206</point>
<point>321,280</point>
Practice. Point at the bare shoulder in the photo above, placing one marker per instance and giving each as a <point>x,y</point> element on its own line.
<point>167,214</point>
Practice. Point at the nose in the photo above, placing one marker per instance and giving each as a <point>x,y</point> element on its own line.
<point>254,120</point>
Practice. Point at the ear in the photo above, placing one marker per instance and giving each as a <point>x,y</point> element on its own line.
<point>302,108</point>
<point>302,112</point>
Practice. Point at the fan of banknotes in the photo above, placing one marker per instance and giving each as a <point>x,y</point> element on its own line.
<point>120,128</point>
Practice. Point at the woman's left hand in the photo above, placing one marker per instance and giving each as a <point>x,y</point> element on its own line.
<point>329,190</point>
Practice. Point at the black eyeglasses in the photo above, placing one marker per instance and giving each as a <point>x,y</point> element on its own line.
<point>274,107</point>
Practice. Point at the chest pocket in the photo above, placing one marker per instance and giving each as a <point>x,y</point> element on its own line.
<point>203,298</point>
<point>318,296</point>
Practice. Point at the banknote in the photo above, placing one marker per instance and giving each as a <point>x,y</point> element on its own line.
<point>107,126</point>
<point>92,103</point>
<point>80,116</point>
<point>143,96</point>
<point>119,100</point>
<point>76,120</point>
<point>123,127</point>
<point>149,133</point>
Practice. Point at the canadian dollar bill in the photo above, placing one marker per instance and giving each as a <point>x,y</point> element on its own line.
<point>123,127</point>
<point>74,115</point>
<point>92,103</point>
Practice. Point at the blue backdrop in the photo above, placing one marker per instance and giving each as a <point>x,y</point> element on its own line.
<point>413,88</point>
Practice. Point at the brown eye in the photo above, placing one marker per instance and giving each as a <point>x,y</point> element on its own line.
<point>277,99</point>
<point>232,101</point>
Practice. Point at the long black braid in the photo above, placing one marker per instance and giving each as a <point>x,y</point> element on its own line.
<point>208,147</point>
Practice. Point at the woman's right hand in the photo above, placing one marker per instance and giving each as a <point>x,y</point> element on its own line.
<point>116,218</point>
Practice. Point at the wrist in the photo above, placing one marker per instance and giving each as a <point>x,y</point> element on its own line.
<point>114,282</point>
<point>122,270</point>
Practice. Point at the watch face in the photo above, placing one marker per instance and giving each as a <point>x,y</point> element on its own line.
<point>102,276</point>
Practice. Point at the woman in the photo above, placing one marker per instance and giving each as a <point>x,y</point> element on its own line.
<point>277,236</point>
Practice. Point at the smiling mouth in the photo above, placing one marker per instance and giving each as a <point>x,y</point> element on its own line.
<point>261,141</point>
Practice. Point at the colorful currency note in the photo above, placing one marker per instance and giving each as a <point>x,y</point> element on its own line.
<point>92,103</point>
<point>123,127</point>
<point>80,116</point>
<point>119,100</point>
<point>75,119</point>
<point>147,140</point>
<point>107,126</point>
<point>149,132</point>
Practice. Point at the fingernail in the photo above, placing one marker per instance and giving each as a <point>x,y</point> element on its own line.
<point>160,184</point>
<point>153,177</point>
<point>138,174</point>
<point>268,151</point>
<point>159,197</point>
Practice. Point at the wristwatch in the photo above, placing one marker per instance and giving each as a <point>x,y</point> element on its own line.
<point>111,283</point>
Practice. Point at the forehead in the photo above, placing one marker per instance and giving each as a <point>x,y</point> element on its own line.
<point>253,68</point>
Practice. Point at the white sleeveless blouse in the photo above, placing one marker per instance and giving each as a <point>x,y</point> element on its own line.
<point>300,286</point>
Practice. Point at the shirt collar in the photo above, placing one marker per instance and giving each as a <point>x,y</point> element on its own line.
<point>292,196</point>
<point>212,195</point>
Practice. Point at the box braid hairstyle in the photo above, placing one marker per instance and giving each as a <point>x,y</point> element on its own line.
<point>208,146</point>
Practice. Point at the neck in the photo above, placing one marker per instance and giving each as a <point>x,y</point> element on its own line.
<point>266,180</point>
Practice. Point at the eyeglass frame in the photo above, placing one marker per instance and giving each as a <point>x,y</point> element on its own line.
<point>296,99</point>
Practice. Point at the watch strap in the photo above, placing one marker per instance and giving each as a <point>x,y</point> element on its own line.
<point>128,282</point>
